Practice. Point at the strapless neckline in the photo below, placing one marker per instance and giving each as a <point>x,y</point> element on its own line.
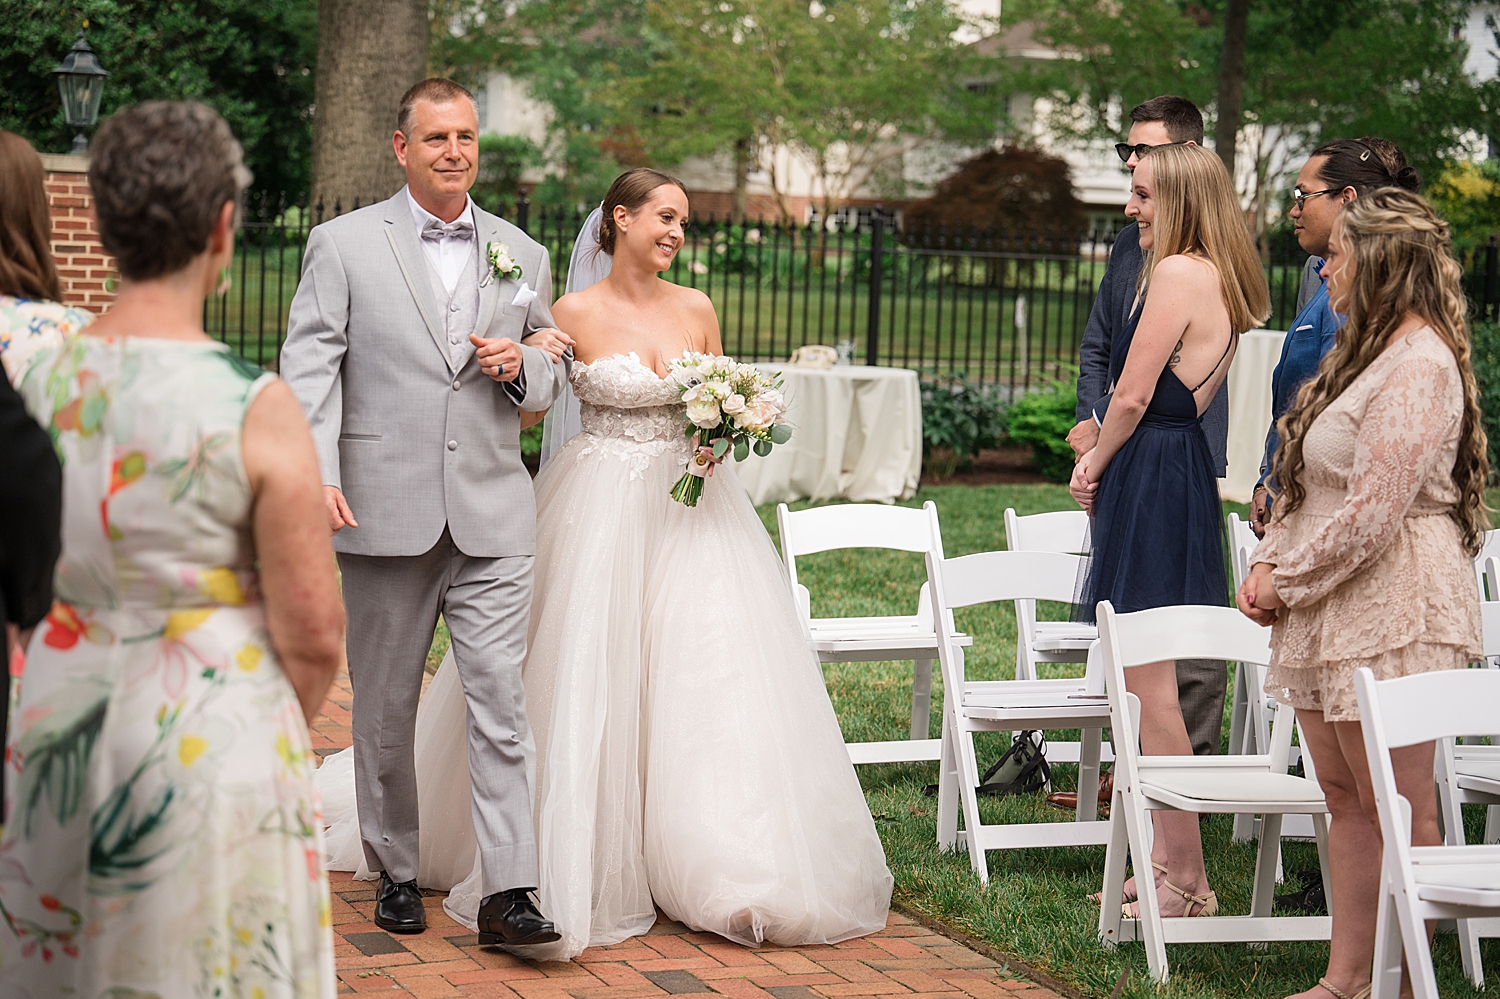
<point>621,355</point>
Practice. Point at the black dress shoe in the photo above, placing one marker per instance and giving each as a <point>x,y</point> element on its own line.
<point>509,918</point>
<point>398,907</point>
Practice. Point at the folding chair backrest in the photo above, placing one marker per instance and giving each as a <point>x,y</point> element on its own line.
<point>1410,710</point>
<point>1413,709</point>
<point>1027,575</point>
<point>1059,531</point>
<point>1490,578</point>
<point>1167,633</point>
<point>1489,550</point>
<point>986,577</point>
<point>854,525</point>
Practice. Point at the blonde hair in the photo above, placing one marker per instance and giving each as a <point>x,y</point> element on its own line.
<point>1197,213</point>
<point>1404,265</point>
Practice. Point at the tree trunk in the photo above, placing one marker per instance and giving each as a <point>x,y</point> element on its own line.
<point>369,53</point>
<point>741,196</point>
<point>1231,81</point>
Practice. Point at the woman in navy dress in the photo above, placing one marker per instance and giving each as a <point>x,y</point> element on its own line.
<point>1149,482</point>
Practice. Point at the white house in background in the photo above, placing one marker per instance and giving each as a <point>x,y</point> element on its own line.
<point>1099,179</point>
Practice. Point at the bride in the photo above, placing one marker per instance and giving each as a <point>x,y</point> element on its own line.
<point>687,754</point>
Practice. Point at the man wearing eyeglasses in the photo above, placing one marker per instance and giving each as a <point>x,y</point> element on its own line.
<point>1161,121</point>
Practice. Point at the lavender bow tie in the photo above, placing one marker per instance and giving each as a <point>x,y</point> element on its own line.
<point>458,229</point>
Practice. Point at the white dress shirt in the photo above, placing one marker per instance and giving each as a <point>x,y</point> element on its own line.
<point>450,254</point>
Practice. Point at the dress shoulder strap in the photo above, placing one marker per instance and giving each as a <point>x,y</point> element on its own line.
<point>1215,368</point>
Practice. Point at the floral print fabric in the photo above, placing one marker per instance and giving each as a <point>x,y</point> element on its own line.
<point>28,325</point>
<point>163,835</point>
<point>1372,567</point>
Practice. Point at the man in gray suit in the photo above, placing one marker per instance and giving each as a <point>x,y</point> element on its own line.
<point>404,348</point>
<point>1166,120</point>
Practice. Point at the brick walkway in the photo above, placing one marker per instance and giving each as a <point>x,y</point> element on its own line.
<point>904,959</point>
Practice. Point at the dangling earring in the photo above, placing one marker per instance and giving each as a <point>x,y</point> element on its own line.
<point>225,281</point>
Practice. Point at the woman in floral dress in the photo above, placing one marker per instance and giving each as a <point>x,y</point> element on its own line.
<point>31,315</point>
<point>163,833</point>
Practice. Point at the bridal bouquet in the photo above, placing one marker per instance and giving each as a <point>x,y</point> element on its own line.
<point>729,406</point>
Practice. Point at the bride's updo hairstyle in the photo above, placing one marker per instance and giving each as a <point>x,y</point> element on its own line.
<point>1403,260</point>
<point>1198,214</point>
<point>630,191</point>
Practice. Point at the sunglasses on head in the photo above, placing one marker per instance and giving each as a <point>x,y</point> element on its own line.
<point>1124,149</point>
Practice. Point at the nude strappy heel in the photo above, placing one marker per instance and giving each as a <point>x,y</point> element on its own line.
<point>1098,896</point>
<point>1208,904</point>
<point>1363,993</point>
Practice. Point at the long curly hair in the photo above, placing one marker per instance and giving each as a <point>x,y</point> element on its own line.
<point>1403,260</point>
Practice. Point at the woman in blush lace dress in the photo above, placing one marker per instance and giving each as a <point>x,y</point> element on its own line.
<point>688,756</point>
<point>1381,475</point>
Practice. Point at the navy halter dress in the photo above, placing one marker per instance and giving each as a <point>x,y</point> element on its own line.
<point>1158,528</point>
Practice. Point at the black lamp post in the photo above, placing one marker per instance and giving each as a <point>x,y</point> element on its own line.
<point>80,80</point>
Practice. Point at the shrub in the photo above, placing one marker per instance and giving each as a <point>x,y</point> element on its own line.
<point>960,418</point>
<point>1041,420</point>
<point>1484,354</point>
<point>531,442</point>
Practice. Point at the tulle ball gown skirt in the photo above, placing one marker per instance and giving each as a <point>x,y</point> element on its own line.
<point>687,754</point>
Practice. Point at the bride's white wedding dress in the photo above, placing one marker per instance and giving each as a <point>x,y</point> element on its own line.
<point>687,753</point>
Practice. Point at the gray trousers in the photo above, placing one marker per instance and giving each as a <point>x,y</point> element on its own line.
<point>393,605</point>
<point>1201,684</point>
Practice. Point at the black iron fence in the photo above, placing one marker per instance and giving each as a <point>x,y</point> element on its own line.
<point>1004,307</point>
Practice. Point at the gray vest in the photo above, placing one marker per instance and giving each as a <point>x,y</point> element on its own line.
<point>461,308</point>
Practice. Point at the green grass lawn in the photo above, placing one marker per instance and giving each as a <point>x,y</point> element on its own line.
<point>1034,906</point>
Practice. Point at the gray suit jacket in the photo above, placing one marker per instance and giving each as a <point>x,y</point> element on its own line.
<point>414,441</point>
<point>1110,313</point>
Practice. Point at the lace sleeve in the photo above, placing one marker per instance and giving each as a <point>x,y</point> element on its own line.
<point>1406,423</point>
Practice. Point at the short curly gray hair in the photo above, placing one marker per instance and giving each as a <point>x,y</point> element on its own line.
<point>160,173</point>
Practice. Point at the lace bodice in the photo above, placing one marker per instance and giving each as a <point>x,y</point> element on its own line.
<point>619,396</point>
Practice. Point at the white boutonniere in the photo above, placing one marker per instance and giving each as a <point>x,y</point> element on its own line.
<point>502,264</point>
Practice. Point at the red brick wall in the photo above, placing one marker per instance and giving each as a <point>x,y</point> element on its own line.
<point>81,262</point>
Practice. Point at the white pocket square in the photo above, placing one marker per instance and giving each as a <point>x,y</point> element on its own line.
<point>524,295</point>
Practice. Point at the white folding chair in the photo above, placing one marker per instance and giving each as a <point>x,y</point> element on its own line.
<point>872,639</point>
<point>1048,641</point>
<point>1008,705</point>
<point>1490,550</point>
<point>1257,784</point>
<point>1251,710</point>
<point>1470,774</point>
<point>1418,883</point>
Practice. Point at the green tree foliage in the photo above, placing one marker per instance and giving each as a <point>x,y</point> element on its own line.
<point>1467,195</point>
<point>1016,189</point>
<point>250,59</point>
<point>1318,69</point>
<point>571,54</point>
<point>853,85</point>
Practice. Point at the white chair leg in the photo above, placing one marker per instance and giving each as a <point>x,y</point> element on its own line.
<point>1242,742</point>
<point>1386,983</point>
<point>1492,824</point>
<point>921,698</point>
<point>948,791</point>
<point>1151,931</point>
<point>1418,954</point>
<point>1112,892</point>
<point>1088,774</point>
<point>1267,862</point>
<point>968,778</point>
<point>1320,833</point>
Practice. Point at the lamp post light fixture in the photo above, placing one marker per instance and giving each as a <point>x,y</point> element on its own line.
<point>80,80</point>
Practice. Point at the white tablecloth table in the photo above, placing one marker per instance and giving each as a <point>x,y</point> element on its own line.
<point>857,435</point>
<point>1249,410</point>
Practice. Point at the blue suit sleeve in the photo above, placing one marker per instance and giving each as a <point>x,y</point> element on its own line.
<point>1093,352</point>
